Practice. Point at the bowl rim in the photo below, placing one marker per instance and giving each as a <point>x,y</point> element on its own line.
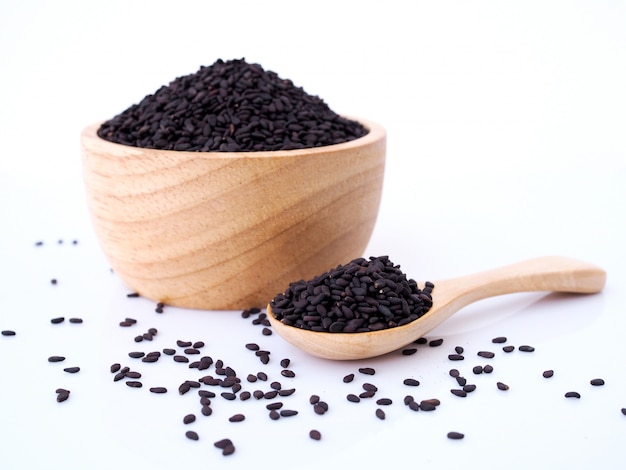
<point>376,132</point>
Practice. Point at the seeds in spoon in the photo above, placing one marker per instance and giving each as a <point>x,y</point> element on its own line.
<point>364,295</point>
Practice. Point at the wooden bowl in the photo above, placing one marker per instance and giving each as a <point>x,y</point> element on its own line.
<point>227,231</point>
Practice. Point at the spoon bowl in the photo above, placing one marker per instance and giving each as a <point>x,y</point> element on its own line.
<point>556,274</point>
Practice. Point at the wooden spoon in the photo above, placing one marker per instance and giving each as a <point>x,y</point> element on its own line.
<point>540,274</point>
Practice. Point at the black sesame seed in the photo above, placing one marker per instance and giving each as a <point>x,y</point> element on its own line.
<point>459,349</point>
<point>455,435</point>
<point>572,395</point>
<point>62,394</point>
<point>380,414</point>
<point>193,435</point>
<point>252,346</point>
<point>367,371</point>
<point>458,392</point>
<point>76,320</point>
<point>477,370</point>
<point>237,418</point>
<point>284,363</point>
<point>72,370</point>
<point>190,418</point>
<point>57,320</point>
<point>353,398</point>
<point>56,359</point>
<point>288,413</point>
<point>488,369</point>
<point>508,349</point>
<point>384,401</point>
<point>315,434</point>
<point>427,406</point>
<point>454,373</point>
<point>411,382</point>
<point>456,357</point>
<point>136,354</point>
<point>499,339</point>
<point>115,367</point>
<point>158,390</point>
<point>8,333</point>
<point>287,373</point>
<point>526,348</point>
<point>597,382</point>
<point>486,354</point>
<point>502,386</point>
<point>435,342</point>
<point>134,384</point>
<point>348,378</point>
<point>548,373</point>
<point>409,351</point>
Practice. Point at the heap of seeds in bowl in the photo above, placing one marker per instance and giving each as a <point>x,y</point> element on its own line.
<point>230,106</point>
<point>363,295</point>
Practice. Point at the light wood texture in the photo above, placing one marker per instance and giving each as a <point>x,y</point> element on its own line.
<point>226,231</point>
<point>449,296</point>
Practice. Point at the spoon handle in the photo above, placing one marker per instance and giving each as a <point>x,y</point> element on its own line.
<point>550,273</point>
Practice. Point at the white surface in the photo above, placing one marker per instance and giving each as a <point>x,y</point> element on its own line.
<point>506,141</point>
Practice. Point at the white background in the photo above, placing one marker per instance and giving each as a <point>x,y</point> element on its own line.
<point>506,141</point>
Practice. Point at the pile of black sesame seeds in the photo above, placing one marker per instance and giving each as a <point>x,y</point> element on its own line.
<point>230,106</point>
<point>363,295</point>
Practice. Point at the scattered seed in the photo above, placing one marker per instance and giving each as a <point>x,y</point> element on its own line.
<point>456,357</point>
<point>409,351</point>
<point>57,320</point>
<point>353,398</point>
<point>252,346</point>
<point>237,418</point>
<point>486,354</point>
<point>136,354</point>
<point>526,348</point>
<point>548,373</point>
<point>455,435</point>
<point>134,384</point>
<point>426,405</point>
<point>367,371</point>
<point>411,382</point>
<point>435,342</point>
<point>76,320</point>
<point>284,363</point>
<point>158,390</point>
<point>288,413</point>
<point>488,369</point>
<point>499,339</point>
<point>287,373</point>
<point>193,435</point>
<point>348,378</point>
<point>190,418</point>
<point>8,333</point>
<point>380,414</point>
<point>459,349</point>
<point>458,392</point>
<point>572,395</point>
<point>72,370</point>
<point>502,386</point>
<point>508,349</point>
<point>597,382</point>
<point>454,373</point>
<point>477,370</point>
<point>62,394</point>
<point>56,359</point>
<point>384,401</point>
<point>315,434</point>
